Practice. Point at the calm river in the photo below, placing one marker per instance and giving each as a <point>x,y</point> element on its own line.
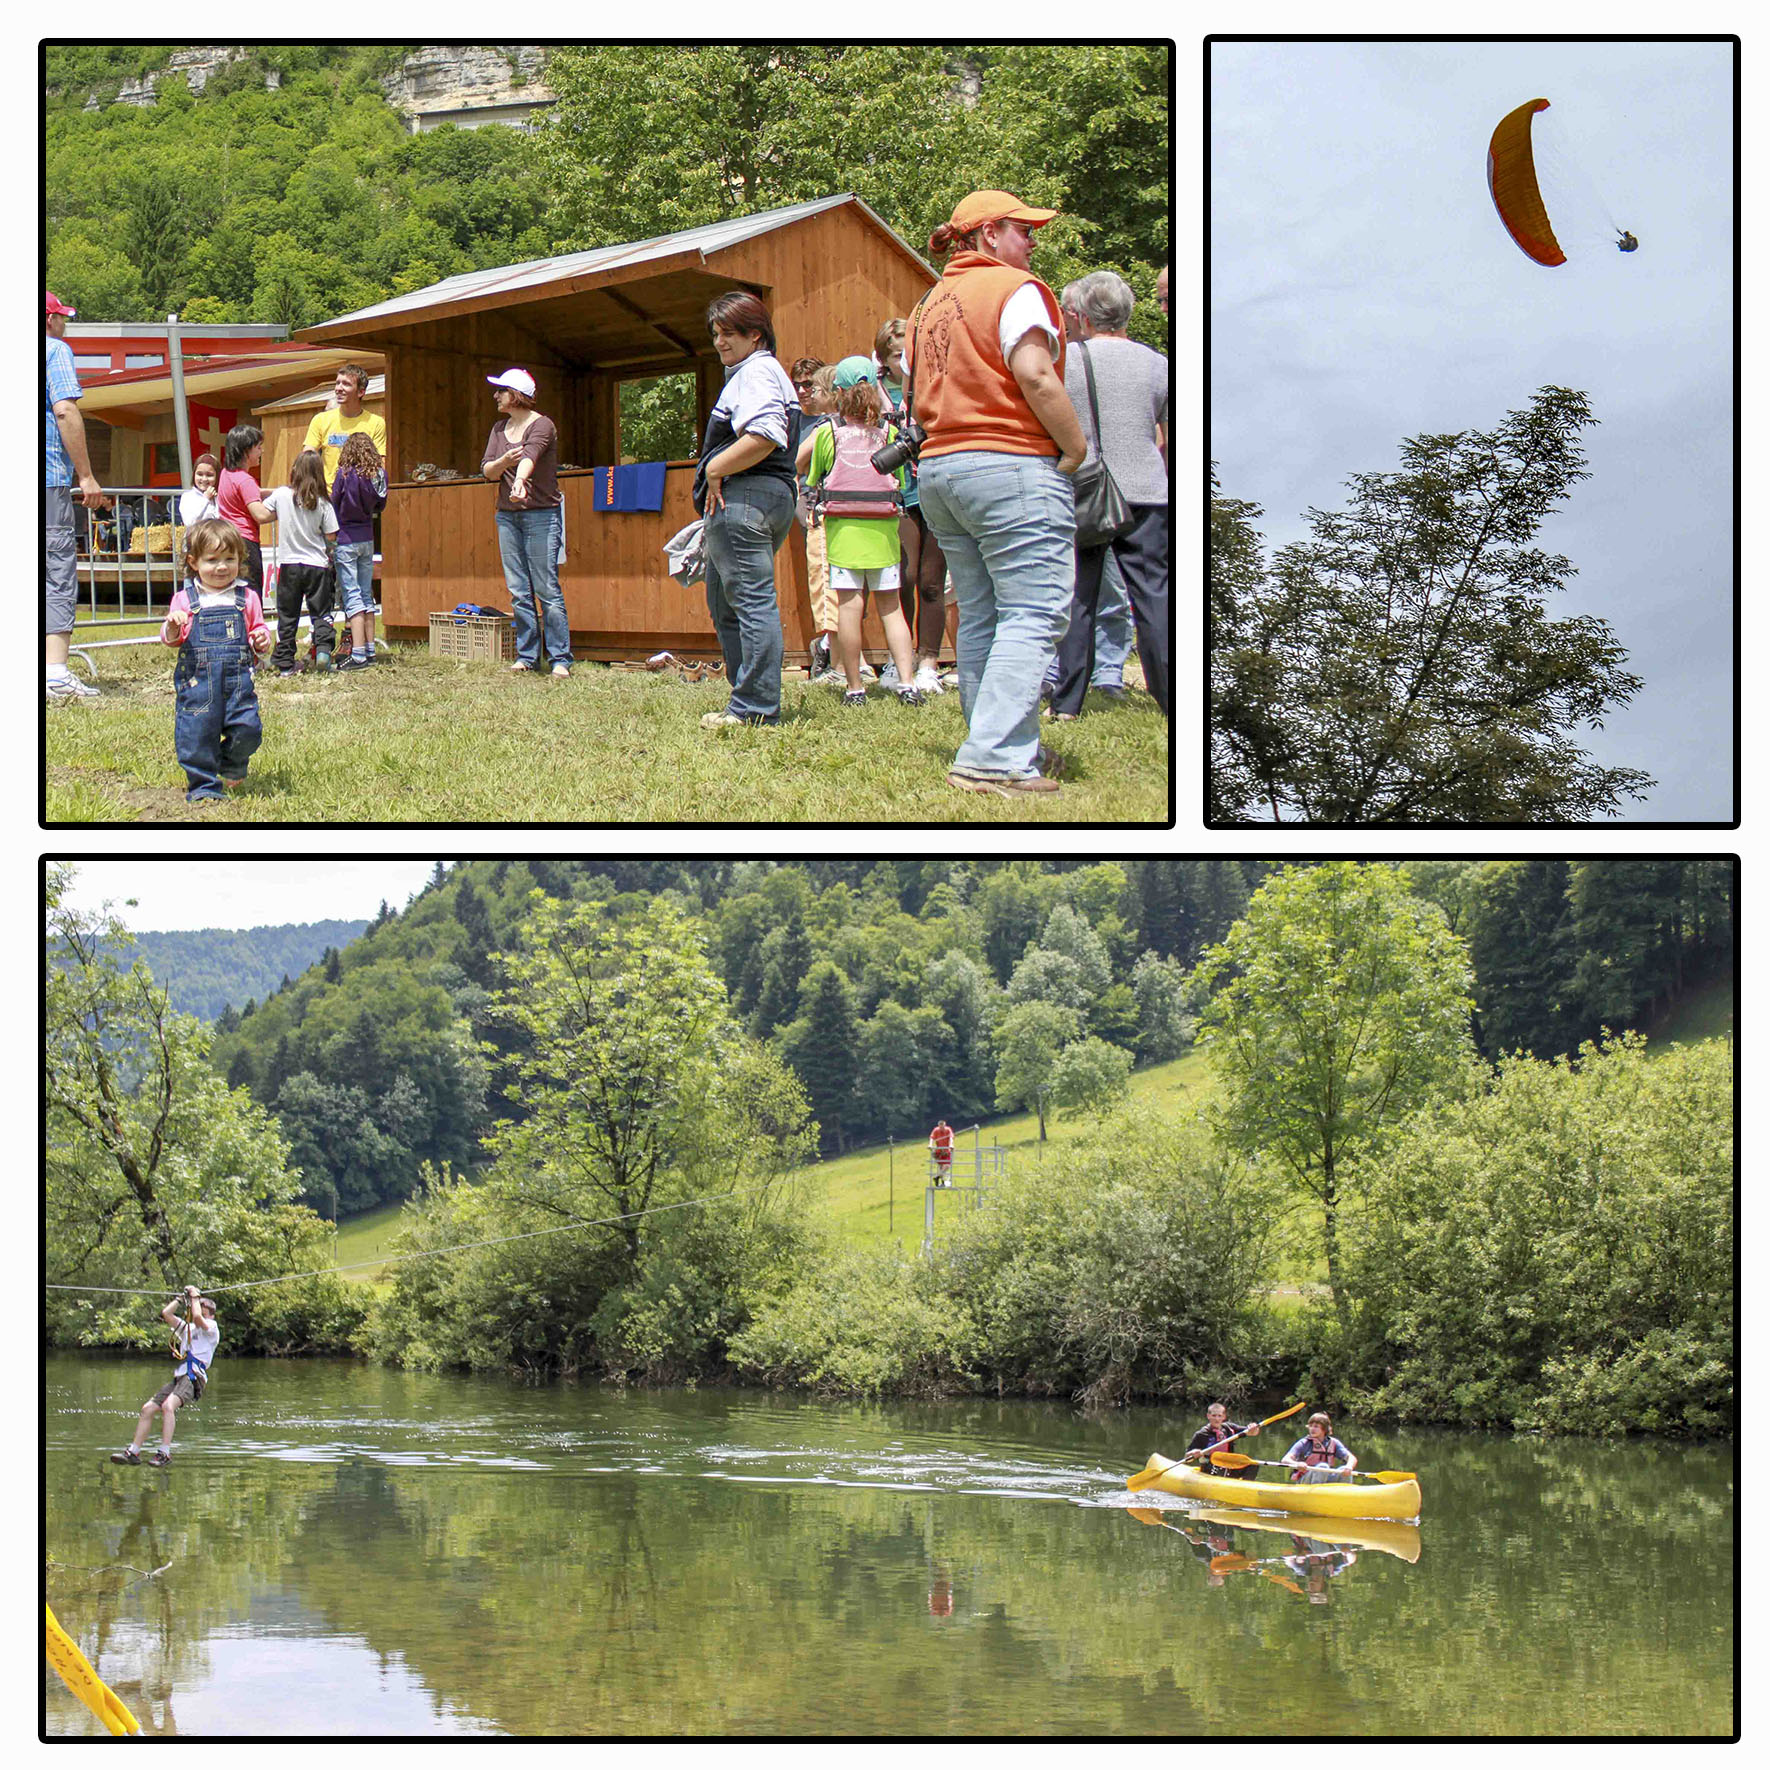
<point>341,1549</point>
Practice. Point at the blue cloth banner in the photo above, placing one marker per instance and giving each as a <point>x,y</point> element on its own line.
<point>639,486</point>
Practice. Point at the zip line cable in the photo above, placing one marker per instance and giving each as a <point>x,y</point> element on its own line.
<point>252,1284</point>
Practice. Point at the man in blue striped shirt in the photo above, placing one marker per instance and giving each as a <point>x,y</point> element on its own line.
<point>65,464</point>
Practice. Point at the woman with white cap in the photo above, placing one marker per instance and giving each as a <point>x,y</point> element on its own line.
<point>522,454</point>
<point>985,361</point>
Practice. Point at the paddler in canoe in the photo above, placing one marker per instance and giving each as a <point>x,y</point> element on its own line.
<point>1217,1430</point>
<point>1319,1456</point>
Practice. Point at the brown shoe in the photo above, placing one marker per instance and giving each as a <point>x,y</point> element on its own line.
<point>1008,787</point>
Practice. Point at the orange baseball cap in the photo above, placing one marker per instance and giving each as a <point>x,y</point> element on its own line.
<point>981,206</point>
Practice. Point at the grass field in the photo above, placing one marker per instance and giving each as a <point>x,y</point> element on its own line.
<point>428,740</point>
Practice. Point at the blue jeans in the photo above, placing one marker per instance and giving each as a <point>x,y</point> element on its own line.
<point>1112,639</point>
<point>742,540</point>
<point>215,727</point>
<point>528,546</point>
<point>356,576</point>
<point>1007,524</point>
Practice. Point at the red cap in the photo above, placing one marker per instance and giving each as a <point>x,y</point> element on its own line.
<point>981,206</point>
<point>55,304</point>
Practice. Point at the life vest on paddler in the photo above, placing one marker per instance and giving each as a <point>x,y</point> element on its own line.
<point>1315,1456</point>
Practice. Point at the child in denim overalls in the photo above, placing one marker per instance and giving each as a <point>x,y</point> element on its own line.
<point>217,623</point>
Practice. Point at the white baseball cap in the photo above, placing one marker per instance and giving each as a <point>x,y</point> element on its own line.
<point>517,380</point>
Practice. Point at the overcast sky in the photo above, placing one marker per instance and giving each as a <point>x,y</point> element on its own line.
<point>246,893</point>
<point>1364,291</point>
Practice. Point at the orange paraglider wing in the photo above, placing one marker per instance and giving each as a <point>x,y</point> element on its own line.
<point>1511,177</point>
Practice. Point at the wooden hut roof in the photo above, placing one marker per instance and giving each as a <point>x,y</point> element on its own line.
<point>547,279</point>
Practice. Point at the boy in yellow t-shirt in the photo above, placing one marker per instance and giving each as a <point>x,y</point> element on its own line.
<point>344,417</point>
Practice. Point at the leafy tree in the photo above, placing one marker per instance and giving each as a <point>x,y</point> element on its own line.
<point>1028,1039</point>
<point>1400,668</point>
<point>1339,1004</point>
<point>1164,1027</point>
<point>1066,931</point>
<point>901,1049</point>
<point>964,995</point>
<point>1047,977</point>
<point>635,1085</point>
<point>648,139</point>
<point>158,1175</point>
<point>1090,1076</point>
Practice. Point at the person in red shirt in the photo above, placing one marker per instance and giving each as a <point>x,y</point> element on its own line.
<point>940,1144</point>
<point>240,499</point>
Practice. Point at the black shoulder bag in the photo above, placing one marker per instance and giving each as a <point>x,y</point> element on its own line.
<point>1102,513</point>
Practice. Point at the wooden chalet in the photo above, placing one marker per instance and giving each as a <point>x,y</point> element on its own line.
<point>829,271</point>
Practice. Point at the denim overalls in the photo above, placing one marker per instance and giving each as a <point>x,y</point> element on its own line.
<point>216,727</point>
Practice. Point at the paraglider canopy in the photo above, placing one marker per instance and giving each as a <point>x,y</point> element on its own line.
<point>1511,178</point>
<point>1628,242</point>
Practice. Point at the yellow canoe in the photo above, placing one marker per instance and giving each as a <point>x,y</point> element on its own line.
<point>1400,1540</point>
<point>1325,1499</point>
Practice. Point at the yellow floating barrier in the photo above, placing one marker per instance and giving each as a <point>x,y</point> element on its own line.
<point>76,1672</point>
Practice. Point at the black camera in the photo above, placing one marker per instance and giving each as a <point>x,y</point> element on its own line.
<point>910,437</point>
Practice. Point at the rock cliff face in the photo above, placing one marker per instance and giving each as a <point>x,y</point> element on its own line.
<point>438,77</point>
<point>453,76</point>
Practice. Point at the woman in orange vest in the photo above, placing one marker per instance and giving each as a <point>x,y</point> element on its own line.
<point>984,359</point>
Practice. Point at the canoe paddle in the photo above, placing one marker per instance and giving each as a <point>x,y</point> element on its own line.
<point>1229,1459</point>
<point>1147,1477</point>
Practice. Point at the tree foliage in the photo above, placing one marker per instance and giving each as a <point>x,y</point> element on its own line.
<point>1555,1248</point>
<point>1401,666</point>
<point>1339,1003</point>
<point>157,1174</point>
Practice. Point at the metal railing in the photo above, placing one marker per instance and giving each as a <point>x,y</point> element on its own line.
<point>103,555</point>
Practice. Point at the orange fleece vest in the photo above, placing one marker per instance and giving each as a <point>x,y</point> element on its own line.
<point>966,396</point>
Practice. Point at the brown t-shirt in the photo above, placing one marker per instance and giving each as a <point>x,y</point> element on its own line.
<point>540,443</point>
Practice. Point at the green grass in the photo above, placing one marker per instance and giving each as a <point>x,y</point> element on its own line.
<point>1705,1012</point>
<point>429,740</point>
<point>856,1189</point>
<point>366,1238</point>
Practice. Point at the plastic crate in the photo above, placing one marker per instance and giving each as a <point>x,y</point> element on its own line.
<point>486,639</point>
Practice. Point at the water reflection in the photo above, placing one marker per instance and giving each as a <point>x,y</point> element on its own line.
<point>1312,1552</point>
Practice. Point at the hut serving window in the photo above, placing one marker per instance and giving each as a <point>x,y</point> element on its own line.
<point>658,419</point>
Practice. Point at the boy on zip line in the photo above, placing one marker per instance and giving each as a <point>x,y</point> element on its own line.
<point>194,1339</point>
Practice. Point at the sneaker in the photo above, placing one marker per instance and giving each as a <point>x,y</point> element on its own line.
<point>820,655</point>
<point>68,688</point>
<point>1114,691</point>
<point>561,670</point>
<point>353,662</point>
<point>830,679</point>
<point>322,660</point>
<point>909,697</point>
<point>718,721</point>
<point>293,670</point>
<point>131,1455</point>
<point>949,679</point>
<point>161,1458</point>
<point>928,679</point>
<point>888,677</point>
<point>1008,786</point>
<point>855,697</point>
<point>868,673</point>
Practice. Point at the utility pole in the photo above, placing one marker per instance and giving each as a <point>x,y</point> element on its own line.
<point>890,1181</point>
